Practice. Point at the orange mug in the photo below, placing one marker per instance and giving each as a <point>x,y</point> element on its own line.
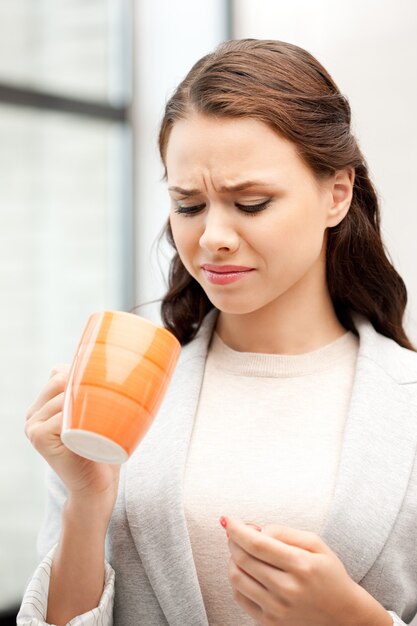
<point>117,381</point>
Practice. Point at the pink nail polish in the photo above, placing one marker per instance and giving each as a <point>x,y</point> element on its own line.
<point>223,522</point>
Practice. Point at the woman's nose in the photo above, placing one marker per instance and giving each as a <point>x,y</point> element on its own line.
<point>219,233</point>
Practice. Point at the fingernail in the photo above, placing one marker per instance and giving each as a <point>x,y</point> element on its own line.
<point>255,526</point>
<point>223,522</point>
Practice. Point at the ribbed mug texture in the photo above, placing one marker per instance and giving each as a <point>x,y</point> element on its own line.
<point>119,376</point>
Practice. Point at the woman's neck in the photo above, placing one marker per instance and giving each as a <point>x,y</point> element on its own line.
<point>281,330</point>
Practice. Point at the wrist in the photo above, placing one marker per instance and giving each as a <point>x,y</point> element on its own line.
<point>367,611</point>
<point>87,513</point>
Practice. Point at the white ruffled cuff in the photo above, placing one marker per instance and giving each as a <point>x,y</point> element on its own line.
<point>35,600</point>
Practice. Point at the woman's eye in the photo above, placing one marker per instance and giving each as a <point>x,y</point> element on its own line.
<point>246,208</point>
<point>254,208</point>
<point>189,210</point>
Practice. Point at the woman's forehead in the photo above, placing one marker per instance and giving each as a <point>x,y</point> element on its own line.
<point>230,152</point>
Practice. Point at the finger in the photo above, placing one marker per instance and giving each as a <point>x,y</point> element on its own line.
<point>55,386</point>
<point>51,433</point>
<point>51,428</point>
<point>294,537</point>
<point>266,575</point>
<point>60,368</point>
<point>45,436</point>
<point>263,599</point>
<point>48,410</point>
<point>265,548</point>
<point>251,608</point>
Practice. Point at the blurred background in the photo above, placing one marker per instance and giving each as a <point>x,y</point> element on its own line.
<point>83,84</point>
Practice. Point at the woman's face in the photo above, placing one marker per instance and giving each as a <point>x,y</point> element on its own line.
<point>242,198</point>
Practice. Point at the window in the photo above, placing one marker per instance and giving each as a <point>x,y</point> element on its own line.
<point>65,222</point>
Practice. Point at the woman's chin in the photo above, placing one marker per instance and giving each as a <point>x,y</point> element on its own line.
<point>233,308</point>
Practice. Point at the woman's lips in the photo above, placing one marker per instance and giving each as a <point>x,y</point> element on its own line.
<point>225,274</point>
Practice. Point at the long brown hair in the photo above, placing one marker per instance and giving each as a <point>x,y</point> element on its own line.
<point>285,87</point>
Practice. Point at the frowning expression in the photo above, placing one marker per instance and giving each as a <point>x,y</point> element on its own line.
<point>248,216</point>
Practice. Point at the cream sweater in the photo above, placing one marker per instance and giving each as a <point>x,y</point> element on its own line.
<point>265,448</point>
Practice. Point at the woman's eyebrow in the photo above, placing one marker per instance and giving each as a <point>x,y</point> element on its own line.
<point>225,188</point>
<point>184,192</point>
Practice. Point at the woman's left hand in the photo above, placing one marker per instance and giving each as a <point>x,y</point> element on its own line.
<point>287,577</point>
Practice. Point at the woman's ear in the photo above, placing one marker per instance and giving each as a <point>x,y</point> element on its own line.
<point>341,189</point>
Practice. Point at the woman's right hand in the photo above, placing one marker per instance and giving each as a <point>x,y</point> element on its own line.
<point>85,480</point>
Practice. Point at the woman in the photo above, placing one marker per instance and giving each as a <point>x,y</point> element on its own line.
<point>291,414</point>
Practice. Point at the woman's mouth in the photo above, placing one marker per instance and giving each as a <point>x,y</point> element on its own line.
<point>225,274</point>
